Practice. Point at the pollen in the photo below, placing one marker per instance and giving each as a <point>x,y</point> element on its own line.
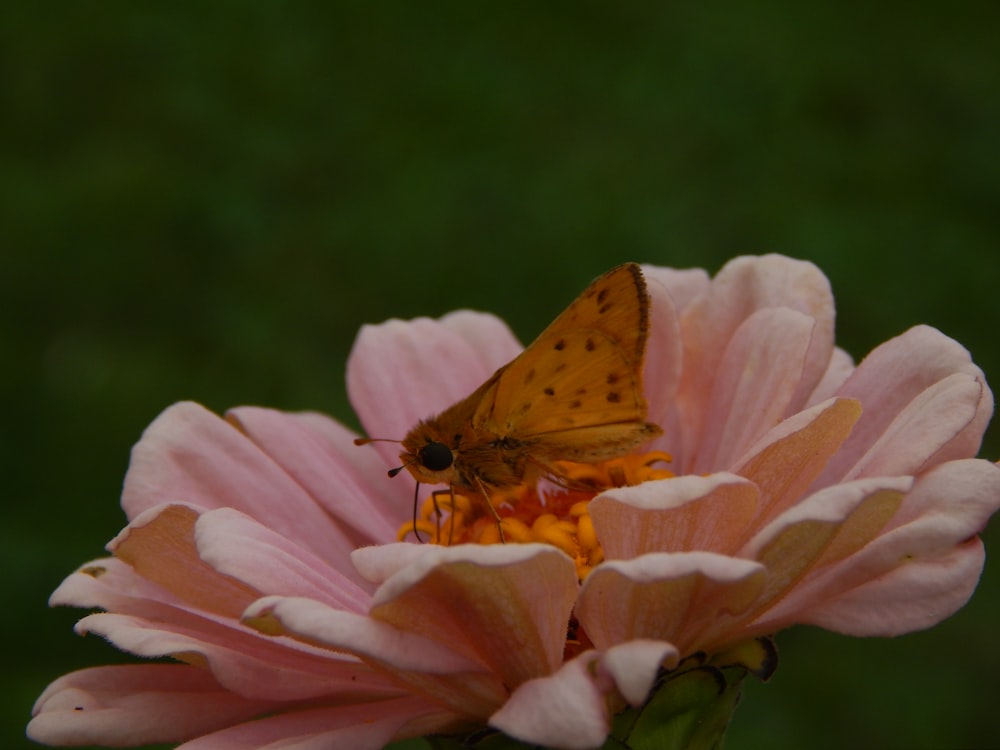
<point>544,512</point>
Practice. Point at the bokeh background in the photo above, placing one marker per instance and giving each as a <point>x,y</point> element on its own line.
<point>205,201</point>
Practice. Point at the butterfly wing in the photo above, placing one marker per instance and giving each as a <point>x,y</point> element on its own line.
<point>576,392</point>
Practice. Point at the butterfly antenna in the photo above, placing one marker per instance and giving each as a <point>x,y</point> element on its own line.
<point>391,472</point>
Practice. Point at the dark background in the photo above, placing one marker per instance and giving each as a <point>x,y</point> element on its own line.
<point>206,201</point>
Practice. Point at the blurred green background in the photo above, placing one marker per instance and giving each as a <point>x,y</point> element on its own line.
<point>205,201</point>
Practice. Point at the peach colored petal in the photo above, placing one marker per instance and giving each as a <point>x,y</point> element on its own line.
<point>241,549</point>
<point>827,527</point>
<point>400,372</point>
<point>159,545</point>
<point>565,709</point>
<point>337,474</point>
<point>787,460</point>
<point>665,596</point>
<point>890,378</point>
<point>506,605</point>
<point>358,727</point>
<point>189,455</point>
<point>135,705</point>
<point>432,668</point>
<point>684,513</point>
<point>758,375</point>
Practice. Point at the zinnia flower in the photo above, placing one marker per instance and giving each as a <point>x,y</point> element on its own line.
<point>261,557</point>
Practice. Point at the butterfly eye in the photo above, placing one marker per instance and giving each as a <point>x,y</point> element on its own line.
<point>436,456</point>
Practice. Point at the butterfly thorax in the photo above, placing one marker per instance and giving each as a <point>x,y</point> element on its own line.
<point>465,458</point>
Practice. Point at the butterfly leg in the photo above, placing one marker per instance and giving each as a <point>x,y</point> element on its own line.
<point>493,511</point>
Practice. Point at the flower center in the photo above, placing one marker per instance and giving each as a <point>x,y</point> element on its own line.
<point>537,512</point>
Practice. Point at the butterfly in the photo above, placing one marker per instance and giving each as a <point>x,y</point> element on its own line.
<point>574,394</point>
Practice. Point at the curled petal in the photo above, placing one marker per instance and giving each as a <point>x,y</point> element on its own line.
<point>824,529</point>
<point>159,545</point>
<point>926,430</point>
<point>506,605</point>
<point>689,512</point>
<point>565,709</point>
<point>570,707</point>
<point>634,665</point>
<point>920,570</point>
<point>891,377</point>
<point>666,597</point>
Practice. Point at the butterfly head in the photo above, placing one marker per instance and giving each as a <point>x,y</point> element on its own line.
<point>428,457</point>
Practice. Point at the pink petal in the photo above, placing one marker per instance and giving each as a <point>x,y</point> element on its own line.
<point>923,567</point>
<point>241,660</point>
<point>237,546</point>
<point>688,512</point>
<point>136,705</point>
<point>565,709</point>
<point>683,285</point>
<point>912,597</point>
<point>671,597</point>
<point>359,727</point>
<point>149,621</point>
<point>344,479</point>
<point>400,372</point>
<point>758,376</point>
<point>506,605</point>
<point>890,378</point>
<point>926,430</point>
<point>189,455</point>
<point>837,372</point>
<point>663,365</point>
<point>743,286</point>
<point>107,584</point>
<point>432,668</point>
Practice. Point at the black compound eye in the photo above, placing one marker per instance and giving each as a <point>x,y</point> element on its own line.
<point>436,456</point>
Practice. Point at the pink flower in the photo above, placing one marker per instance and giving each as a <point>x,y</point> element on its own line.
<point>260,550</point>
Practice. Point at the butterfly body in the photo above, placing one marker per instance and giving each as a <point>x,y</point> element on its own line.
<point>574,394</point>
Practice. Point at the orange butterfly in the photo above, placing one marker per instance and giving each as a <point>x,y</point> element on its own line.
<point>575,394</point>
